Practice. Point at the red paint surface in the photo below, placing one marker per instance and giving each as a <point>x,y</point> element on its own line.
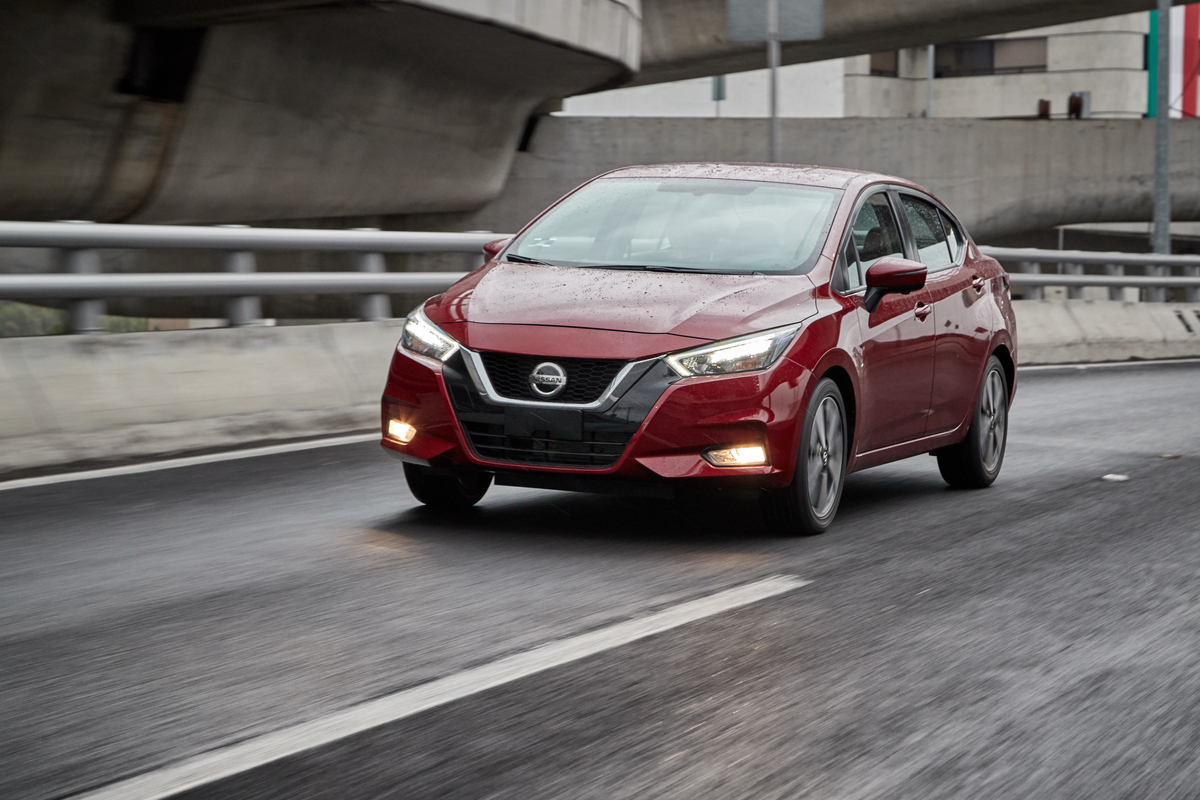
<point>1191,58</point>
<point>912,368</point>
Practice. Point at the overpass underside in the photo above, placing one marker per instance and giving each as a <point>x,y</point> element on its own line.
<point>226,111</point>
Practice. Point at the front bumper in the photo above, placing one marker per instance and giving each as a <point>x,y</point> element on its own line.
<point>652,428</point>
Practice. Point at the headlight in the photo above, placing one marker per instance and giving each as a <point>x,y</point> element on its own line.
<point>422,337</point>
<point>743,354</point>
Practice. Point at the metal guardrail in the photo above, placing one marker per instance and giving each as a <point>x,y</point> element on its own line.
<point>102,236</point>
<point>218,284</point>
<point>1156,279</point>
<point>78,242</point>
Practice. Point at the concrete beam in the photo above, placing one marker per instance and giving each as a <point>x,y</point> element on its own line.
<point>689,38</point>
<point>1004,178</point>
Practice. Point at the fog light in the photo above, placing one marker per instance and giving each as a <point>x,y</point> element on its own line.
<point>402,432</point>
<point>745,455</point>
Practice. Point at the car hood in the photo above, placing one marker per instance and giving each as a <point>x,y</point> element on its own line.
<point>696,305</point>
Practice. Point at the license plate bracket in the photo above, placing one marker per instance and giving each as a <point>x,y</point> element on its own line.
<point>562,424</point>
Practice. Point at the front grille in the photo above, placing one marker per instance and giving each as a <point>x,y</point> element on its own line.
<point>587,378</point>
<point>598,448</point>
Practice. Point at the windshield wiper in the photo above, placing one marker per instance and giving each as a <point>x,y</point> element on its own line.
<point>527,260</point>
<point>641,267</point>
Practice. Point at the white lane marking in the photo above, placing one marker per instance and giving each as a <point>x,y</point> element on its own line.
<point>1108,364</point>
<point>1114,477</point>
<point>189,461</point>
<point>234,759</point>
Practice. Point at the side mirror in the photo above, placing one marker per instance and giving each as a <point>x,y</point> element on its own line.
<point>892,275</point>
<point>491,249</point>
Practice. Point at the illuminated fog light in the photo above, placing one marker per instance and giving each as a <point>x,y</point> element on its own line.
<point>746,455</point>
<point>402,432</point>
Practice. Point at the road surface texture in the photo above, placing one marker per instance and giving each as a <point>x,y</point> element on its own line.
<point>1039,639</point>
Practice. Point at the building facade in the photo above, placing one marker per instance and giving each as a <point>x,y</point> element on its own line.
<point>1106,64</point>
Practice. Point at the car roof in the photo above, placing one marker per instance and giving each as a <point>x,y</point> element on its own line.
<point>801,174</point>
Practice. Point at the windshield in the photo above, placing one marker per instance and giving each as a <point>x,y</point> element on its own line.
<point>687,224</point>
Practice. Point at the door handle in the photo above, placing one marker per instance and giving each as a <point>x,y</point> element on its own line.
<point>922,311</point>
<point>978,284</point>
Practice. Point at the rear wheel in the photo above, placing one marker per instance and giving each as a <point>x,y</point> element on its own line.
<point>808,505</point>
<point>975,462</point>
<point>448,492</point>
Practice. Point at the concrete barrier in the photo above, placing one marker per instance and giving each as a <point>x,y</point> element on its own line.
<point>93,399</point>
<point>70,401</point>
<point>1084,331</point>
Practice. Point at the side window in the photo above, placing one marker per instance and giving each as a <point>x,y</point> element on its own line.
<point>954,236</point>
<point>926,223</point>
<point>876,234</point>
<point>853,273</point>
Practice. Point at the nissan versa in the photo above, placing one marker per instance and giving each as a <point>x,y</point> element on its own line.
<point>778,326</point>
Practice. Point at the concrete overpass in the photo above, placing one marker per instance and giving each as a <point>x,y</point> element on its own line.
<point>685,38</point>
<point>252,110</point>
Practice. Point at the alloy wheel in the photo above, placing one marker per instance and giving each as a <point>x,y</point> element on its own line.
<point>825,449</point>
<point>994,418</point>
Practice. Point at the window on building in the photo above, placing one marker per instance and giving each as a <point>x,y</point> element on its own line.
<point>990,57</point>
<point>1019,55</point>
<point>885,64</point>
<point>960,59</point>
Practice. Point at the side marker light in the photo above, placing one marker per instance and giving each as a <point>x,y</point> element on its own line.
<point>745,455</point>
<point>402,432</point>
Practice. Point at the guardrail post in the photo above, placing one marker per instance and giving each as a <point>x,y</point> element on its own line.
<point>372,307</point>
<point>1116,270</point>
<point>1033,292</point>
<point>83,316</point>
<point>1193,292</point>
<point>1157,294</point>
<point>1073,292</point>
<point>241,311</point>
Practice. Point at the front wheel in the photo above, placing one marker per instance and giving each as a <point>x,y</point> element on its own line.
<point>449,492</point>
<point>808,505</point>
<point>975,462</point>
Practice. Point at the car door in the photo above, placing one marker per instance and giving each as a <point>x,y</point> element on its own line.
<point>897,338</point>
<point>963,322</point>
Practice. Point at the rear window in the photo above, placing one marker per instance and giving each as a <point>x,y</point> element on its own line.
<point>685,224</point>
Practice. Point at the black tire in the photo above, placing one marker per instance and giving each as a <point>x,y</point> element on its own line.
<point>975,462</point>
<point>456,492</point>
<point>809,504</point>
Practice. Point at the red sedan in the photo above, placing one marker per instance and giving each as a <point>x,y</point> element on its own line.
<point>779,326</point>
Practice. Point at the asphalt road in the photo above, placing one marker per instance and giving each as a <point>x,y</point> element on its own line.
<point>1039,639</point>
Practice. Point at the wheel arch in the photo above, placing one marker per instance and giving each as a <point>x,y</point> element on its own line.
<point>1002,351</point>
<point>841,378</point>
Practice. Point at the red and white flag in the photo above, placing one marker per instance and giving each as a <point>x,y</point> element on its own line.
<point>1185,61</point>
